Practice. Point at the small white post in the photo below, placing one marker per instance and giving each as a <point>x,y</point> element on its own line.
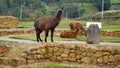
<point>21,12</point>
<point>102,8</point>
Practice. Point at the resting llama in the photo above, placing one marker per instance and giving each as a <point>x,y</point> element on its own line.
<point>69,34</point>
<point>76,25</point>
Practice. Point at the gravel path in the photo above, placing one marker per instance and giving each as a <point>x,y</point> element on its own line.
<point>29,41</point>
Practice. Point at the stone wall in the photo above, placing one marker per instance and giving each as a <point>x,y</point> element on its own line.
<point>114,33</point>
<point>62,52</point>
<point>4,49</point>
<point>4,32</point>
<point>8,22</point>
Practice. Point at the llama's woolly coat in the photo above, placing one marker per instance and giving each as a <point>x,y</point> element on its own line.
<point>47,23</point>
<point>69,34</point>
<point>76,25</point>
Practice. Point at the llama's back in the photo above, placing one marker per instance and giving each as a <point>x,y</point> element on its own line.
<point>43,23</point>
<point>69,34</point>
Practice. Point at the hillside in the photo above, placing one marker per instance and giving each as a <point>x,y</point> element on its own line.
<point>72,8</point>
<point>108,15</point>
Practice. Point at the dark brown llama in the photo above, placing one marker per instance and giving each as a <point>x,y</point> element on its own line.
<point>47,23</point>
<point>76,25</point>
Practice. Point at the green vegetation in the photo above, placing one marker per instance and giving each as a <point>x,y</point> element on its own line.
<point>110,39</point>
<point>115,1</point>
<point>65,24</point>
<point>102,39</point>
<point>8,41</point>
<point>57,38</point>
<point>111,27</point>
<point>90,9</point>
<point>54,66</point>
<point>29,23</point>
<point>72,8</point>
<point>111,22</point>
<point>33,37</point>
<point>106,25</point>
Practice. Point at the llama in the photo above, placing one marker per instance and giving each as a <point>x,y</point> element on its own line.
<point>69,34</point>
<point>76,25</point>
<point>47,23</point>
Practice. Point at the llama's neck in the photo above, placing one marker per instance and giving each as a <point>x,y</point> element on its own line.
<point>83,29</point>
<point>58,16</point>
<point>76,31</point>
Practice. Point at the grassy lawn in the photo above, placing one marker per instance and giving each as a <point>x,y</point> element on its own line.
<point>33,37</point>
<point>106,25</point>
<point>102,39</point>
<point>65,24</point>
<point>111,27</point>
<point>29,23</point>
<point>78,38</point>
<point>54,66</point>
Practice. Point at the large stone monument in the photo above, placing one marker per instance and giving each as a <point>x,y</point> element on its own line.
<point>93,34</point>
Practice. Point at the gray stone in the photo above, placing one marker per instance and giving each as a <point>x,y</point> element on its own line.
<point>93,34</point>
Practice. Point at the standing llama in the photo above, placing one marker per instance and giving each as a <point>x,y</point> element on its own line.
<point>47,23</point>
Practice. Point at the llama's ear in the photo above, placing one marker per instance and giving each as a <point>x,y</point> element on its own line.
<point>60,10</point>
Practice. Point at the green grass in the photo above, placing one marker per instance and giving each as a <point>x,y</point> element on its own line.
<point>26,23</point>
<point>106,25</point>
<point>111,22</point>
<point>110,39</point>
<point>79,38</point>
<point>33,37</point>
<point>115,1</point>
<point>89,8</point>
<point>65,24</point>
<point>54,66</point>
<point>111,27</point>
<point>102,39</point>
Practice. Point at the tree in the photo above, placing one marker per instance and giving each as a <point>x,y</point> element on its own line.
<point>73,11</point>
<point>98,4</point>
<point>107,4</point>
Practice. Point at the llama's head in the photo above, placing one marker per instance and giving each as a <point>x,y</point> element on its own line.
<point>59,13</point>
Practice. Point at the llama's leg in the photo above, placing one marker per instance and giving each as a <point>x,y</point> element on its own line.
<point>52,32</point>
<point>46,35</point>
<point>38,35</point>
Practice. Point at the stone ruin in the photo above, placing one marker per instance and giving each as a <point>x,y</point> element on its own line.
<point>8,22</point>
